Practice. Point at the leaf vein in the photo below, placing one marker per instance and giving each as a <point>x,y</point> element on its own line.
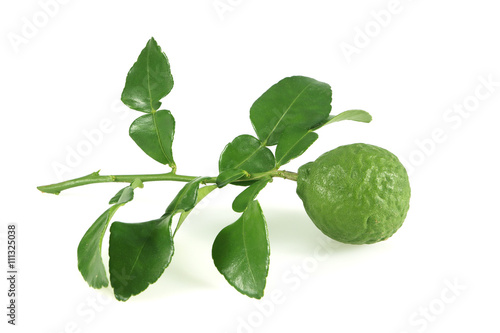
<point>246,254</point>
<point>249,156</point>
<point>286,111</point>
<point>148,77</point>
<point>290,149</point>
<point>162,148</point>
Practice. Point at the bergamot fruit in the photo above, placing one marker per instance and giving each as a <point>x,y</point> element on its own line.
<point>356,194</point>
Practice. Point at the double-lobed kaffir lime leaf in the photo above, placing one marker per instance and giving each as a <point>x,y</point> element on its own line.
<point>289,112</point>
<point>140,252</point>
<point>89,253</point>
<point>241,252</point>
<point>148,81</point>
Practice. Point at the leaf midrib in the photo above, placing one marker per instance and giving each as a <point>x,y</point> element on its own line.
<point>162,148</point>
<point>289,150</point>
<point>140,252</point>
<point>149,81</point>
<point>246,252</point>
<point>262,145</point>
<point>284,113</point>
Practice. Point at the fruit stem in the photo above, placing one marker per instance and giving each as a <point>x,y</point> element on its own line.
<point>286,175</point>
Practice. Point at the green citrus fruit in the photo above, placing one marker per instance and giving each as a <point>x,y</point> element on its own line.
<point>356,194</point>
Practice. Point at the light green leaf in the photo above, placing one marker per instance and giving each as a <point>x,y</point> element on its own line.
<point>202,193</point>
<point>90,262</point>
<point>138,255</point>
<point>355,115</point>
<point>89,253</point>
<point>296,101</point>
<point>247,153</point>
<point>154,134</point>
<point>137,183</point>
<point>243,199</point>
<point>241,252</point>
<point>125,195</point>
<point>149,80</point>
<point>293,143</point>
<point>230,175</point>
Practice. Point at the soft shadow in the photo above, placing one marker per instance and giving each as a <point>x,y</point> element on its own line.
<point>291,230</point>
<point>291,235</point>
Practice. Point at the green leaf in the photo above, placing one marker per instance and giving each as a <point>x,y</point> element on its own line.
<point>230,175</point>
<point>149,80</point>
<point>293,143</point>
<point>241,252</point>
<point>89,254</point>
<point>296,101</point>
<point>355,115</point>
<point>154,134</point>
<point>138,255</point>
<point>125,195</point>
<point>186,198</point>
<point>90,262</point>
<point>202,193</point>
<point>247,153</point>
<point>243,199</point>
<point>140,252</point>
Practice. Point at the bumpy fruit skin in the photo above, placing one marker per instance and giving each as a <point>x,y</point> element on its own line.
<point>356,194</point>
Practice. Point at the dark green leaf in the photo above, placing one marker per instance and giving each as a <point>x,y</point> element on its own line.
<point>230,175</point>
<point>202,193</point>
<point>149,80</point>
<point>89,250</point>
<point>138,255</point>
<point>293,143</point>
<point>296,101</point>
<point>243,199</point>
<point>247,153</point>
<point>355,115</point>
<point>140,252</point>
<point>241,252</point>
<point>154,134</point>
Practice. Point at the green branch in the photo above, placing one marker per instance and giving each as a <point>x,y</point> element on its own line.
<point>95,177</point>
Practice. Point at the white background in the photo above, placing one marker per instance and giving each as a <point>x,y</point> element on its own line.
<point>412,72</point>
